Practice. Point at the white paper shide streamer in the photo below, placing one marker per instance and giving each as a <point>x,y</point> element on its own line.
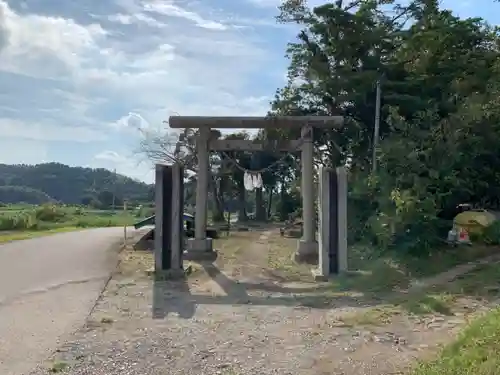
<point>252,181</point>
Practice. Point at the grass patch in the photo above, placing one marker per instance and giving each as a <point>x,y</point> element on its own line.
<point>385,273</point>
<point>387,281</point>
<point>280,260</point>
<point>34,221</point>
<point>231,248</point>
<point>380,276</point>
<point>53,216</point>
<point>423,303</point>
<point>413,304</point>
<point>24,235</point>
<point>58,367</point>
<point>482,282</point>
<point>376,316</point>
<point>475,351</point>
<point>275,254</point>
<point>443,260</point>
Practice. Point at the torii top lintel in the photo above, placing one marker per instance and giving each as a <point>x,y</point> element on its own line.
<point>178,122</point>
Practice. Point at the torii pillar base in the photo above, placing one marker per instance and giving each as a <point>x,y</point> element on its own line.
<point>307,252</point>
<point>200,250</point>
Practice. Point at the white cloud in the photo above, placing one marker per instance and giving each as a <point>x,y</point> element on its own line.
<point>132,121</point>
<point>171,10</point>
<point>13,129</point>
<point>128,166</point>
<point>129,19</point>
<point>277,3</point>
<point>266,3</point>
<point>112,156</point>
<point>22,151</point>
<point>213,66</point>
<point>68,79</point>
<point>42,46</point>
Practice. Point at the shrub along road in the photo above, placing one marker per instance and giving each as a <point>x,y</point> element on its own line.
<point>48,286</point>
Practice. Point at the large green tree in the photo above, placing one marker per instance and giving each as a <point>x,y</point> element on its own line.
<point>438,125</point>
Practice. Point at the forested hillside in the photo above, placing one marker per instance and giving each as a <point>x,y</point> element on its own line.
<point>42,183</point>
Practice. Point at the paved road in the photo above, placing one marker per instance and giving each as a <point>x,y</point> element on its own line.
<point>48,286</point>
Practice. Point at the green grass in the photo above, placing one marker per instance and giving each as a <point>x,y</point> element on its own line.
<point>384,278</point>
<point>482,282</point>
<point>380,274</point>
<point>24,235</point>
<point>58,367</point>
<point>476,352</point>
<point>445,259</point>
<point>25,222</point>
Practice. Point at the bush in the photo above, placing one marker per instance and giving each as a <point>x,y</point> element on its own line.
<point>50,213</point>
<point>79,211</point>
<point>491,234</point>
<point>18,221</point>
<point>95,222</point>
<point>393,219</point>
<point>52,216</point>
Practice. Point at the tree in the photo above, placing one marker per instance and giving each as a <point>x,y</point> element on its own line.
<point>180,147</point>
<point>58,182</point>
<point>227,170</point>
<point>108,199</point>
<point>439,110</point>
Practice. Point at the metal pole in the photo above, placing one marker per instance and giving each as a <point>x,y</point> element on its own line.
<point>125,226</point>
<point>376,130</point>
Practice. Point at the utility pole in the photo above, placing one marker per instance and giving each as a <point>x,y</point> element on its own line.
<point>125,226</point>
<point>114,188</point>
<point>376,130</point>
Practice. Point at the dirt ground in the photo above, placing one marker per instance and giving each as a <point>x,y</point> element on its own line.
<point>257,312</point>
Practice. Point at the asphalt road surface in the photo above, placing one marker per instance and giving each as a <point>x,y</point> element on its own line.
<point>48,286</point>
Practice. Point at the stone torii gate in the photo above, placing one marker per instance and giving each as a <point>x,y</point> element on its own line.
<point>200,247</point>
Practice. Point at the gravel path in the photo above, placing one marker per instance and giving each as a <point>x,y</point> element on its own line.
<point>223,326</point>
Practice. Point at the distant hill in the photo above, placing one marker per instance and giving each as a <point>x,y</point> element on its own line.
<point>41,183</point>
<point>17,194</point>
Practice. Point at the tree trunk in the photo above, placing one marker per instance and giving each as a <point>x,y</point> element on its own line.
<point>270,204</point>
<point>260,210</point>
<point>242,212</point>
<point>218,214</point>
<point>283,214</point>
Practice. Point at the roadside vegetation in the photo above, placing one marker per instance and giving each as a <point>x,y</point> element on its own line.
<point>476,349</point>
<point>27,221</point>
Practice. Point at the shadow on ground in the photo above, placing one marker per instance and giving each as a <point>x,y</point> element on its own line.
<point>176,296</point>
<point>380,281</point>
<point>482,284</point>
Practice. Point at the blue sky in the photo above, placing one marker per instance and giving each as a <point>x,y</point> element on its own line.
<point>78,78</point>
